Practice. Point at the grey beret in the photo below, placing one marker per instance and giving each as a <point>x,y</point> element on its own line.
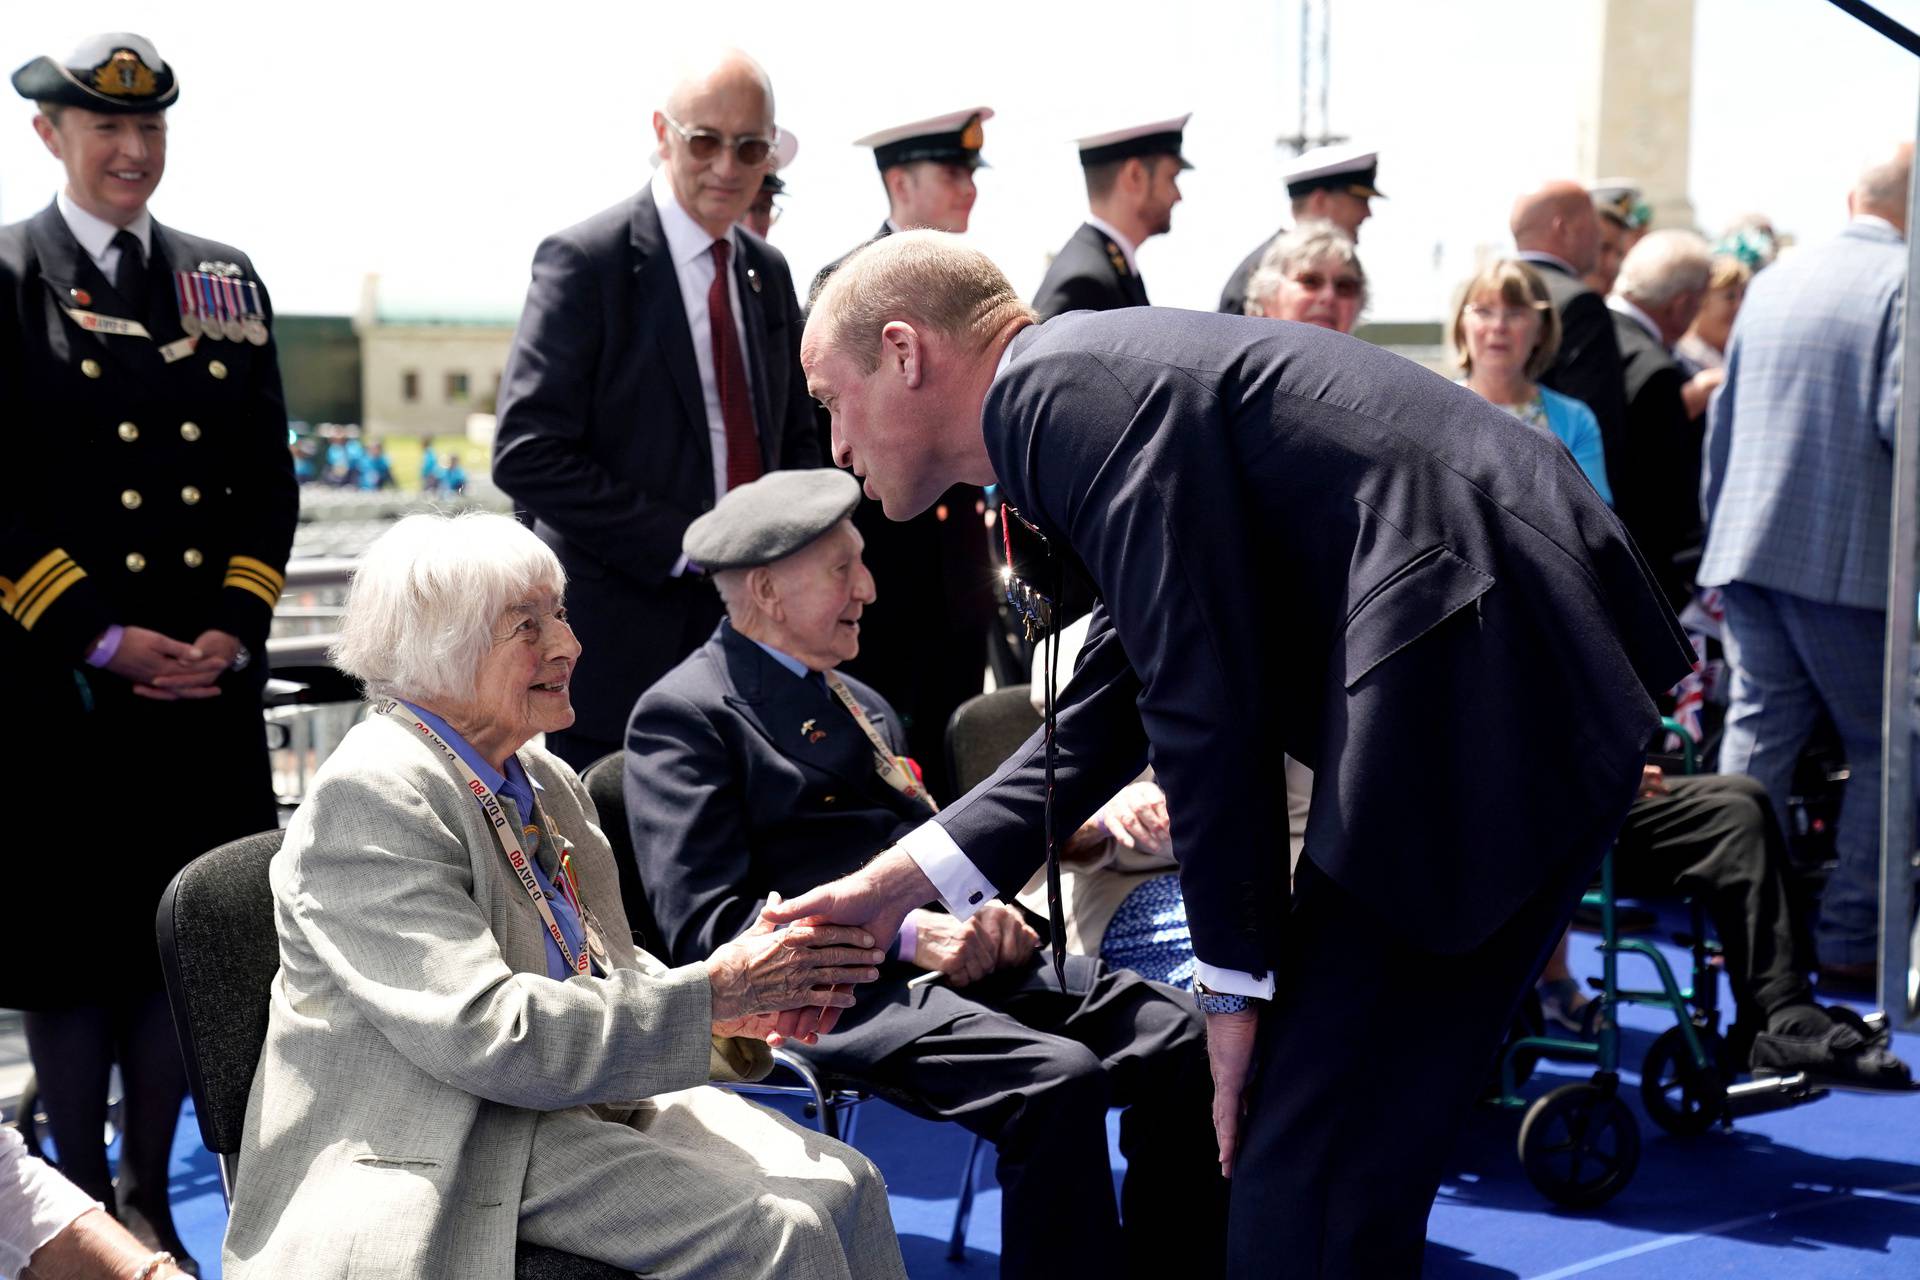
<point>773,516</point>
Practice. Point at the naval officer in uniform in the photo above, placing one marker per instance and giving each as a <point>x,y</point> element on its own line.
<point>926,639</point>
<point>138,574</point>
<point>1329,184</point>
<point>1133,182</point>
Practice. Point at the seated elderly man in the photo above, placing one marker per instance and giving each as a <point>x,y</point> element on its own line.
<point>754,769</point>
<point>460,1053</point>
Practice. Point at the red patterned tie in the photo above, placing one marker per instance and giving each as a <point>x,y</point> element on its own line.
<point>730,375</point>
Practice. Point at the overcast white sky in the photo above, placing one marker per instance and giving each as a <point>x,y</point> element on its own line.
<point>436,143</point>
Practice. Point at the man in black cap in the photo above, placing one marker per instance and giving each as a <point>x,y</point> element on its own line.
<point>138,585</point>
<point>754,768</point>
<point>1133,182</point>
<point>926,646</point>
<point>1328,184</point>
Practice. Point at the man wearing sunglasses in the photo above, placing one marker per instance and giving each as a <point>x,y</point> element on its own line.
<point>656,367</point>
<point>1133,182</point>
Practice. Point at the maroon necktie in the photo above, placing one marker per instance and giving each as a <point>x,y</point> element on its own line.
<point>730,375</point>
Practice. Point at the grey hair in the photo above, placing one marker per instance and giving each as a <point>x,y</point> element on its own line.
<point>1312,241</point>
<point>1664,265</point>
<point>425,599</point>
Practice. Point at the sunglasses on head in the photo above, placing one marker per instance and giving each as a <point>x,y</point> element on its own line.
<point>705,144</point>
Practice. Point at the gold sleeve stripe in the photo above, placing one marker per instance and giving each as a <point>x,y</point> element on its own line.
<point>247,583</point>
<point>260,569</point>
<point>39,587</point>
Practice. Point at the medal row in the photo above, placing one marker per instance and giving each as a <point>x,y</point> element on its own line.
<point>220,307</point>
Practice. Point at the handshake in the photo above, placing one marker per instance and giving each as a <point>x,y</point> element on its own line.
<point>789,977</point>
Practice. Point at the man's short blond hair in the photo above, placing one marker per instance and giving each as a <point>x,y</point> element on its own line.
<point>927,278</point>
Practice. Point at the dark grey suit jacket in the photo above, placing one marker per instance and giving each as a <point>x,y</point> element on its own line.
<point>1587,366</point>
<point>603,437</point>
<point>1306,545</point>
<point>1089,274</point>
<point>1657,490</point>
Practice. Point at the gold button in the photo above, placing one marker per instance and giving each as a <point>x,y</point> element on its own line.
<point>135,562</point>
<point>189,432</point>
<point>189,495</point>
<point>129,432</point>
<point>193,557</point>
<point>130,499</point>
<point>90,367</point>
<point>217,368</point>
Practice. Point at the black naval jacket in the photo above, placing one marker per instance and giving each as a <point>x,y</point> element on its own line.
<point>1309,546</point>
<point>142,491</point>
<point>603,437</point>
<point>1090,273</point>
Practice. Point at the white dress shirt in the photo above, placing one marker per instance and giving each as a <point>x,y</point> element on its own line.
<point>36,1203</point>
<point>96,235</point>
<point>963,889</point>
<point>1112,233</point>
<point>1626,308</point>
<point>691,249</point>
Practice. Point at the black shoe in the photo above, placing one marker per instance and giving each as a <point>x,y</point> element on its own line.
<point>1848,1055</point>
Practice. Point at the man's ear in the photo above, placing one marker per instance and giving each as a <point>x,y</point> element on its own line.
<point>765,593</point>
<point>903,350</point>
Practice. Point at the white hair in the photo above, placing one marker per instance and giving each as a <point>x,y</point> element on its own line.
<point>425,599</point>
<point>1664,265</point>
<point>1314,240</point>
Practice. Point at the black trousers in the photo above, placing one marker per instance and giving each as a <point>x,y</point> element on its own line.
<point>1034,1069</point>
<point>1347,1135</point>
<point>1715,836</point>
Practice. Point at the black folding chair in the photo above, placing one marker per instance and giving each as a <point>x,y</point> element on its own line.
<point>219,952</point>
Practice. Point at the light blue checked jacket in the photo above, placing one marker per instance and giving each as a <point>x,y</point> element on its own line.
<point>1798,469</point>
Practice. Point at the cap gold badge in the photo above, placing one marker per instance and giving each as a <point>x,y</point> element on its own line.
<point>124,76</point>
<point>973,136</point>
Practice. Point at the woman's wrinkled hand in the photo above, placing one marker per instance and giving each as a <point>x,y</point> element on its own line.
<point>769,969</point>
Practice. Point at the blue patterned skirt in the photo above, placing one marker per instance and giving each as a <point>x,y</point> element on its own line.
<point>1148,934</point>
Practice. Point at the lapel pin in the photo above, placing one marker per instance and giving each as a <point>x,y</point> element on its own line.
<point>753,279</point>
<point>80,297</point>
<point>810,733</point>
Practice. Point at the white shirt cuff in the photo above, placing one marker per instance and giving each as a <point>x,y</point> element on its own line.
<point>962,889</point>
<point>1231,982</point>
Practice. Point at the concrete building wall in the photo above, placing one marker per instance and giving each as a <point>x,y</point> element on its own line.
<point>425,379</point>
<point>1636,100</point>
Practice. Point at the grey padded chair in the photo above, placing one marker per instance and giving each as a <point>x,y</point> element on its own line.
<point>219,953</point>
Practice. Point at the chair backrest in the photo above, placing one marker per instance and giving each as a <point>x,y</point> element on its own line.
<point>985,730</point>
<point>219,951</point>
<point>605,779</point>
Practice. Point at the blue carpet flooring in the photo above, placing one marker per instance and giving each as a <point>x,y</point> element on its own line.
<point>1827,1190</point>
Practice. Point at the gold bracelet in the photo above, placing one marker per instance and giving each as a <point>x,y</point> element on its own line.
<point>151,1267</point>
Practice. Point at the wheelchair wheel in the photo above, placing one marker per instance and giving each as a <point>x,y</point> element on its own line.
<point>1682,1098</point>
<point>1579,1145</point>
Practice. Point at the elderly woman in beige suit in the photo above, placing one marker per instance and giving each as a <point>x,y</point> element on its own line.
<point>464,1049</point>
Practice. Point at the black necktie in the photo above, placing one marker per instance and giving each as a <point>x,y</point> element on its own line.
<point>130,275</point>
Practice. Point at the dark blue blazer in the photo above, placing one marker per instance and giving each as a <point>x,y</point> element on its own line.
<point>741,778</point>
<point>1307,545</point>
<point>1088,274</point>
<point>603,437</point>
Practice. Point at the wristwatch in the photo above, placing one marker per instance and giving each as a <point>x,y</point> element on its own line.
<point>1217,1001</point>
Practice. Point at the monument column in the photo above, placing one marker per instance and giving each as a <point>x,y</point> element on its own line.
<point>1636,113</point>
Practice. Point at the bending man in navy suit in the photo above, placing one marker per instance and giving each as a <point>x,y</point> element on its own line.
<point>754,769</point>
<point>1304,546</point>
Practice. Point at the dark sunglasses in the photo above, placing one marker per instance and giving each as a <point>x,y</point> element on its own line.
<point>705,144</point>
<point>1343,286</point>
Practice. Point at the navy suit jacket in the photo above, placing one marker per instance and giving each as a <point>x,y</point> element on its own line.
<point>1587,365</point>
<point>1306,545</point>
<point>1088,274</point>
<point>603,437</point>
<point>741,778</point>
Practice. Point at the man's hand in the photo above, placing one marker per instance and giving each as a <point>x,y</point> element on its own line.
<point>1699,389</point>
<point>1653,782</point>
<point>1137,817</point>
<point>1230,1038</point>
<point>994,938</point>
<point>165,669</point>
<point>765,978</point>
<point>877,897</point>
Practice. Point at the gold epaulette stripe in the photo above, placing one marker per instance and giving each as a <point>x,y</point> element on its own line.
<point>268,575</point>
<point>50,575</point>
